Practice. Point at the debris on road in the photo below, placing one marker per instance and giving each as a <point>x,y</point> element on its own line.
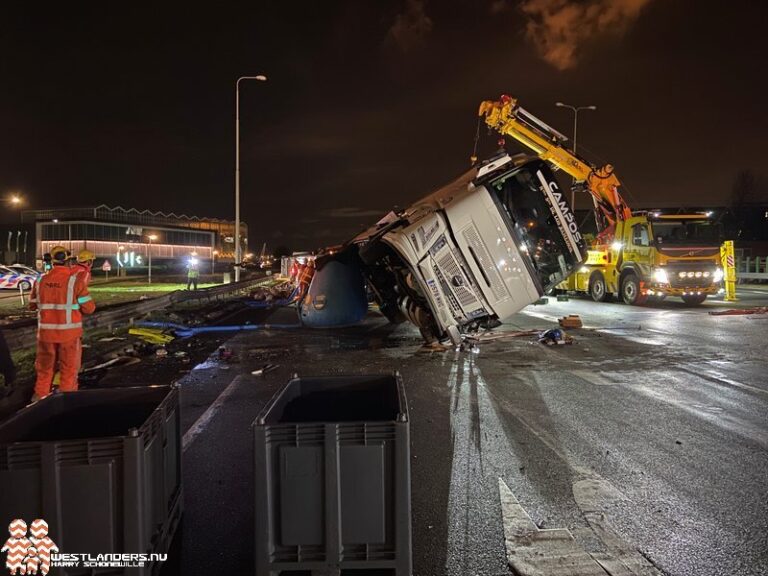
<point>571,321</point>
<point>490,336</point>
<point>554,336</point>
<point>265,369</point>
<point>740,311</point>
<point>152,335</point>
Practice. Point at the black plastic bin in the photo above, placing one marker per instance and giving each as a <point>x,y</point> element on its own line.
<point>101,467</point>
<point>333,478</point>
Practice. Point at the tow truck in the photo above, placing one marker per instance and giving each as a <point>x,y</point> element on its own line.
<point>636,255</point>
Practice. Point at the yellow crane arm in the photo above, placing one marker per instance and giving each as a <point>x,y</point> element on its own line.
<point>509,119</point>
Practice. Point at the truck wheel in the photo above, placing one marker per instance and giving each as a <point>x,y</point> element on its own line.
<point>597,288</point>
<point>630,290</point>
<point>694,299</point>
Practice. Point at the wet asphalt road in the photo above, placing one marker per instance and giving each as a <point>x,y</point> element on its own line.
<point>663,408</point>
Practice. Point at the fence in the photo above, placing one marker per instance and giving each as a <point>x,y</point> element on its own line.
<point>752,268</point>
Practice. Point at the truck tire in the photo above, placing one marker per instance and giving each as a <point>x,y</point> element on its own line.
<point>630,290</point>
<point>694,299</point>
<point>597,288</point>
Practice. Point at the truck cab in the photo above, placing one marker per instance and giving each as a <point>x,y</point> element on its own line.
<point>474,252</point>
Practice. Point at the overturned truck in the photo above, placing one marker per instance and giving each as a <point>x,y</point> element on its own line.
<point>460,260</point>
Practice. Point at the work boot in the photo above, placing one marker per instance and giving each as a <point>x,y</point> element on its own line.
<point>35,398</point>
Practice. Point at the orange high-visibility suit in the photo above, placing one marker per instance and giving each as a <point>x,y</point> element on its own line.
<point>61,298</point>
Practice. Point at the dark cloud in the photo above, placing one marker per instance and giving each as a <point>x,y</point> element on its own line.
<point>410,28</point>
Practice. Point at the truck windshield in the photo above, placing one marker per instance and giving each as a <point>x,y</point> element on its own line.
<point>686,232</point>
<point>539,217</point>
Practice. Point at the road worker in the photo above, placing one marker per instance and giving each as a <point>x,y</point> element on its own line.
<point>60,298</point>
<point>305,279</point>
<point>83,264</point>
<point>193,273</point>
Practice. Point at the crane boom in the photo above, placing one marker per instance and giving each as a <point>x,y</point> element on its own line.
<point>508,118</point>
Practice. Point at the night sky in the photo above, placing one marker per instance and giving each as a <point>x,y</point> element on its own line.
<point>369,104</point>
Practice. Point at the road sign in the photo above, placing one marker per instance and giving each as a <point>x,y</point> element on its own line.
<point>106,267</point>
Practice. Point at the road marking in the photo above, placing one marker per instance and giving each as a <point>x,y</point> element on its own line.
<point>718,378</point>
<point>201,423</point>
<point>534,552</point>
<point>593,496</point>
<point>638,339</point>
<point>547,317</point>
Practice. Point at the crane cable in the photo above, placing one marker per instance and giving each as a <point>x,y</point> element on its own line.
<point>473,158</point>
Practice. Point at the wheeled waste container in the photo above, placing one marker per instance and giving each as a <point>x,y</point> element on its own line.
<point>101,467</point>
<point>333,480</point>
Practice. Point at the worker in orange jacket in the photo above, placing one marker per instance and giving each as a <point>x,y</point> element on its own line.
<point>61,298</point>
<point>83,263</point>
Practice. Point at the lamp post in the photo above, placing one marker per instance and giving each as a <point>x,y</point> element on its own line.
<point>575,128</point>
<point>149,256</point>
<point>260,78</point>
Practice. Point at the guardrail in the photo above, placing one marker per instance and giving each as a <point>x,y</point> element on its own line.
<point>752,268</point>
<point>22,334</point>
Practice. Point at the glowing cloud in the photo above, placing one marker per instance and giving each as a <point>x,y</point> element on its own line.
<point>558,28</point>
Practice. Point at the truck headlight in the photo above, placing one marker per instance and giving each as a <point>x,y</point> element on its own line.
<point>718,275</point>
<point>660,276</point>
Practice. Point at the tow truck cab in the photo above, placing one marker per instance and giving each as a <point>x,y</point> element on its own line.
<point>474,252</point>
<point>655,255</point>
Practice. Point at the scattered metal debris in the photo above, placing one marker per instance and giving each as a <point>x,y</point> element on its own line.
<point>740,311</point>
<point>265,369</point>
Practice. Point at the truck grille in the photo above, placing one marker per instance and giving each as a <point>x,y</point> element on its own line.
<point>451,270</point>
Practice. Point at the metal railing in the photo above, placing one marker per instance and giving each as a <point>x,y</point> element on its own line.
<point>752,268</point>
<point>23,334</point>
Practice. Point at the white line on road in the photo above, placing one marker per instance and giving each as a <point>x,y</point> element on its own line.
<point>201,423</point>
<point>534,552</point>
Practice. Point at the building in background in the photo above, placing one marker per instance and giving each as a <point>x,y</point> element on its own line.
<point>125,237</point>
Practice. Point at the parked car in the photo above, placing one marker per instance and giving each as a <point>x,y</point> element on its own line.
<point>23,269</point>
<point>12,279</point>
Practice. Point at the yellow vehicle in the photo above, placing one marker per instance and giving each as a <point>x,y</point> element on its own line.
<point>635,255</point>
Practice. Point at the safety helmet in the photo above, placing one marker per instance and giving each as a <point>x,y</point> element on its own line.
<point>85,256</point>
<point>59,253</point>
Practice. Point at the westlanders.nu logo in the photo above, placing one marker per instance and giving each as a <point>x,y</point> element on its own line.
<point>37,553</point>
<point>28,555</point>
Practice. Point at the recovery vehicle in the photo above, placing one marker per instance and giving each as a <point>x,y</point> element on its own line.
<point>636,255</point>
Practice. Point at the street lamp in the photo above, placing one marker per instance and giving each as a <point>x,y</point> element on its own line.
<point>149,257</point>
<point>575,127</point>
<point>260,78</point>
